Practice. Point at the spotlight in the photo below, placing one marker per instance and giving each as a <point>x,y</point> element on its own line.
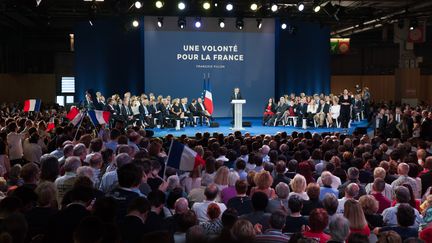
<point>254,7</point>
<point>259,23</point>
<point>229,7</point>
<point>198,23</point>
<point>138,4</point>
<point>206,5</point>
<point>160,22</point>
<point>413,24</point>
<point>274,8</point>
<point>300,6</point>
<point>159,4</point>
<point>221,23</point>
<point>239,23</point>
<point>283,26</point>
<point>135,23</point>
<point>181,5</point>
<point>181,23</point>
<point>316,6</point>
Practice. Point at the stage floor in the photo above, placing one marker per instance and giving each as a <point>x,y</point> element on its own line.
<point>256,129</point>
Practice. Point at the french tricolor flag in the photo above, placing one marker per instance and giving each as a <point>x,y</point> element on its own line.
<point>183,158</point>
<point>99,117</point>
<point>74,115</point>
<point>208,96</point>
<point>32,105</point>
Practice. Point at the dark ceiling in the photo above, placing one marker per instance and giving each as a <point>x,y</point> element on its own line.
<point>61,15</point>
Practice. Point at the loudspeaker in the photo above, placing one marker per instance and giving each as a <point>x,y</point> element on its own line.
<point>246,124</point>
<point>214,124</point>
<point>360,130</point>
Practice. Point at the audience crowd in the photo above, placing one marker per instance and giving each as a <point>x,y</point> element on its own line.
<point>110,184</point>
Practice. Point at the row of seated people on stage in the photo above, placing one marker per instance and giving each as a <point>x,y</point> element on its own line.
<point>151,111</point>
<point>317,110</point>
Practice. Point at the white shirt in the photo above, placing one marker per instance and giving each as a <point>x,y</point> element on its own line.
<point>341,205</point>
<point>200,209</point>
<point>14,141</point>
<point>312,108</point>
<point>335,111</point>
<point>32,152</point>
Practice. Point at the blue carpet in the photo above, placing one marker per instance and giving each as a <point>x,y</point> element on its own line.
<point>256,129</point>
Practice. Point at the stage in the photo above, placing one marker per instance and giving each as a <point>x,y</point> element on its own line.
<point>255,129</point>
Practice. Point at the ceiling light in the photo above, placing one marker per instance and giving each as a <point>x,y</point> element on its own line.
<point>198,23</point>
<point>181,5</point>
<point>135,23</point>
<point>138,4</point>
<point>206,5</point>
<point>300,6</point>
<point>274,8</point>
<point>254,7</point>
<point>229,7</point>
<point>159,4</point>
<point>283,26</point>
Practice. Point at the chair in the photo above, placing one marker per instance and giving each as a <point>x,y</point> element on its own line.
<point>293,120</point>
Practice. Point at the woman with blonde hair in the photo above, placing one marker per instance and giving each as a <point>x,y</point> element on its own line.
<point>193,180</point>
<point>370,208</point>
<point>230,192</point>
<point>354,213</point>
<point>334,112</point>
<point>263,181</point>
<point>298,186</point>
<point>221,178</point>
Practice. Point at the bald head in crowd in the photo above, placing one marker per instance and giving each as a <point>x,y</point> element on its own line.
<point>403,169</point>
<point>181,205</point>
<point>352,190</point>
<point>211,192</point>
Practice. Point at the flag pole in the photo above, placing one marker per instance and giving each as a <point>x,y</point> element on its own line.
<point>166,161</point>
<point>80,123</point>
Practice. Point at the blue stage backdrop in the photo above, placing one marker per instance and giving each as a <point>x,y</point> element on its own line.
<point>109,58</point>
<point>302,58</point>
<point>176,61</point>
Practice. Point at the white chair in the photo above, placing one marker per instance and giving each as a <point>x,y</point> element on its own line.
<point>293,120</point>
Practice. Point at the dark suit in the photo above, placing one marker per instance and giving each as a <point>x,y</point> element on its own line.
<point>201,111</point>
<point>131,229</point>
<point>62,225</point>
<point>145,115</point>
<point>234,96</point>
<point>187,113</point>
<point>113,111</point>
<point>301,113</point>
<point>280,110</point>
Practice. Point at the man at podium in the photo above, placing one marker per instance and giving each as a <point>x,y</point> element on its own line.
<point>236,95</point>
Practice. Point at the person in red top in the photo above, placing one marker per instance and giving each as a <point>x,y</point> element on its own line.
<point>354,213</point>
<point>318,221</point>
<point>269,110</point>
<point>378,187</point>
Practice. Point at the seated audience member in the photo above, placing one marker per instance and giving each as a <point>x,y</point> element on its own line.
<point>280,174</point>
<point>379,172</point>
<point>313,191</point>
<point>330,204</point>
<point>295,221</point>
<point>326,188</point>
<point>390,214</point>
<point>405,218</point>
<point>196,234</point>
<point>243,231</point>
<point>65,182</point>
<point>339,228</point>
<point>181,206</point>
<point>230,191</point>
<point>403,178</point>
<point>241,202</point>
<point>281,201</point>
<point>214,225</point>
<point>240,166</point>
<point>351,192</point>
<point>132,225</point>
<point>358,238</point>
<point>258,215</point>
<point>269,110</point>
<point>263,181</point>
<point>353,175</point>
<point>187,220</point>
<point>229,217</point>
<point>354,213</point>
<point>61,226</point>
<point>298,186</point>
<point>200,208</point>
<point>274,233</point>
<point>378,188</point>
<point>318,221</point>
<point>389,236</point>
<point>426,175</point>
<point>129,179</point>
<point>370,207</point>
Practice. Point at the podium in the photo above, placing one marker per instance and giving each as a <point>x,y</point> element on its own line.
<point>238,114</point>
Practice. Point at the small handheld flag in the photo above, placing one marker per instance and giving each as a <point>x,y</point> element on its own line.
<point>74,115</point>
<point>99,117</point>
<point>32,105</point>
<point>183,158</point>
